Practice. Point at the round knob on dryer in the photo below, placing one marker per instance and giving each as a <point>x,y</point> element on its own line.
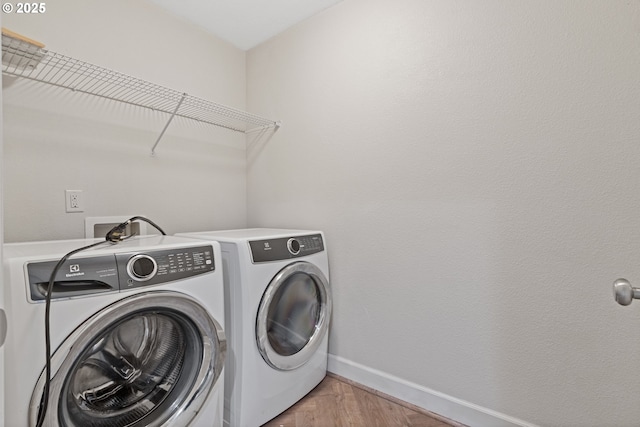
<point>294,246</point>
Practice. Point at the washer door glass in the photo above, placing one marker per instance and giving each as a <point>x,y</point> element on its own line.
<point>293,317</point>
<point>145,360</point>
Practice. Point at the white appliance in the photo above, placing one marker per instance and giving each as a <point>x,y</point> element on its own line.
<point>278,312</point>
<point>137,333</point>
<point>3,334</point>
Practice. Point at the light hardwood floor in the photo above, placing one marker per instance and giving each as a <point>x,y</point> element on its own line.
<point>337,402</point>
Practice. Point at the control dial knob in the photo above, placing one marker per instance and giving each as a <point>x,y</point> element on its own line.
<point>142,267</point>
<point>294,246</point>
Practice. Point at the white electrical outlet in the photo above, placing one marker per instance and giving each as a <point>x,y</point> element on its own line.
<point>73,200</point>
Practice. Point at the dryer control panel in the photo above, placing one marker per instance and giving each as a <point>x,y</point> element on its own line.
<point>285,248</point>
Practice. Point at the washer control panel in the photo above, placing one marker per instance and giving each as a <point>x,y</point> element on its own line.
<point>157,267</point>
<point>116,272</point>
<point>285,248</point>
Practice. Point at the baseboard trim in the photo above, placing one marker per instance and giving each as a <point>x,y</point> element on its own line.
<point>432,401</point>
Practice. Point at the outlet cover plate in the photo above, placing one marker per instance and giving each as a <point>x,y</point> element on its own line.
<point>73,201</point>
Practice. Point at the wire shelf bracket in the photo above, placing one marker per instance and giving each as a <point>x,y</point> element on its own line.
<point>26,58</point>
<point>164,129</point>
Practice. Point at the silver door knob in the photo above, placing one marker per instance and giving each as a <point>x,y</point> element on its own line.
<point>624,293</point>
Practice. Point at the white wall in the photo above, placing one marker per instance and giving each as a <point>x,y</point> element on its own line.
<point>56,140</point>
<point>475,168</point>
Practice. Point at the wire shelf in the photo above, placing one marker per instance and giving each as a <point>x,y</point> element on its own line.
<point>27,59</point>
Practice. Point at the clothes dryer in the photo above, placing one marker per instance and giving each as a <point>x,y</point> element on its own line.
<point>137,333</point>
<point>278,313</point>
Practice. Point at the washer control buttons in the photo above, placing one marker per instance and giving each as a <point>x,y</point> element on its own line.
<point>294,246</point>
<point>142,268</point>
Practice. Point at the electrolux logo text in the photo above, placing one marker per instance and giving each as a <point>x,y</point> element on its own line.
<point>74,271</point>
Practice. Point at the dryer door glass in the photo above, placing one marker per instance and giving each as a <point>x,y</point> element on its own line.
<point>138,365</point>
<point>293,316</point>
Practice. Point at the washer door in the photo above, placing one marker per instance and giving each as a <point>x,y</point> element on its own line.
<point>293,316</point>
<point>147,360</point>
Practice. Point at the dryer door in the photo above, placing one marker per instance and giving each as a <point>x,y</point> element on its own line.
<point>147,360</point>
<point>293,316</point>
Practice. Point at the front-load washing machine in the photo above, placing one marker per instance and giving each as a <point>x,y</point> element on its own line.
<point>3,334</point>
<point>278,312</point>
<point>136,333</point>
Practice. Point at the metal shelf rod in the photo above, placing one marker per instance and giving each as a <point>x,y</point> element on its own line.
<point>153,149</point>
